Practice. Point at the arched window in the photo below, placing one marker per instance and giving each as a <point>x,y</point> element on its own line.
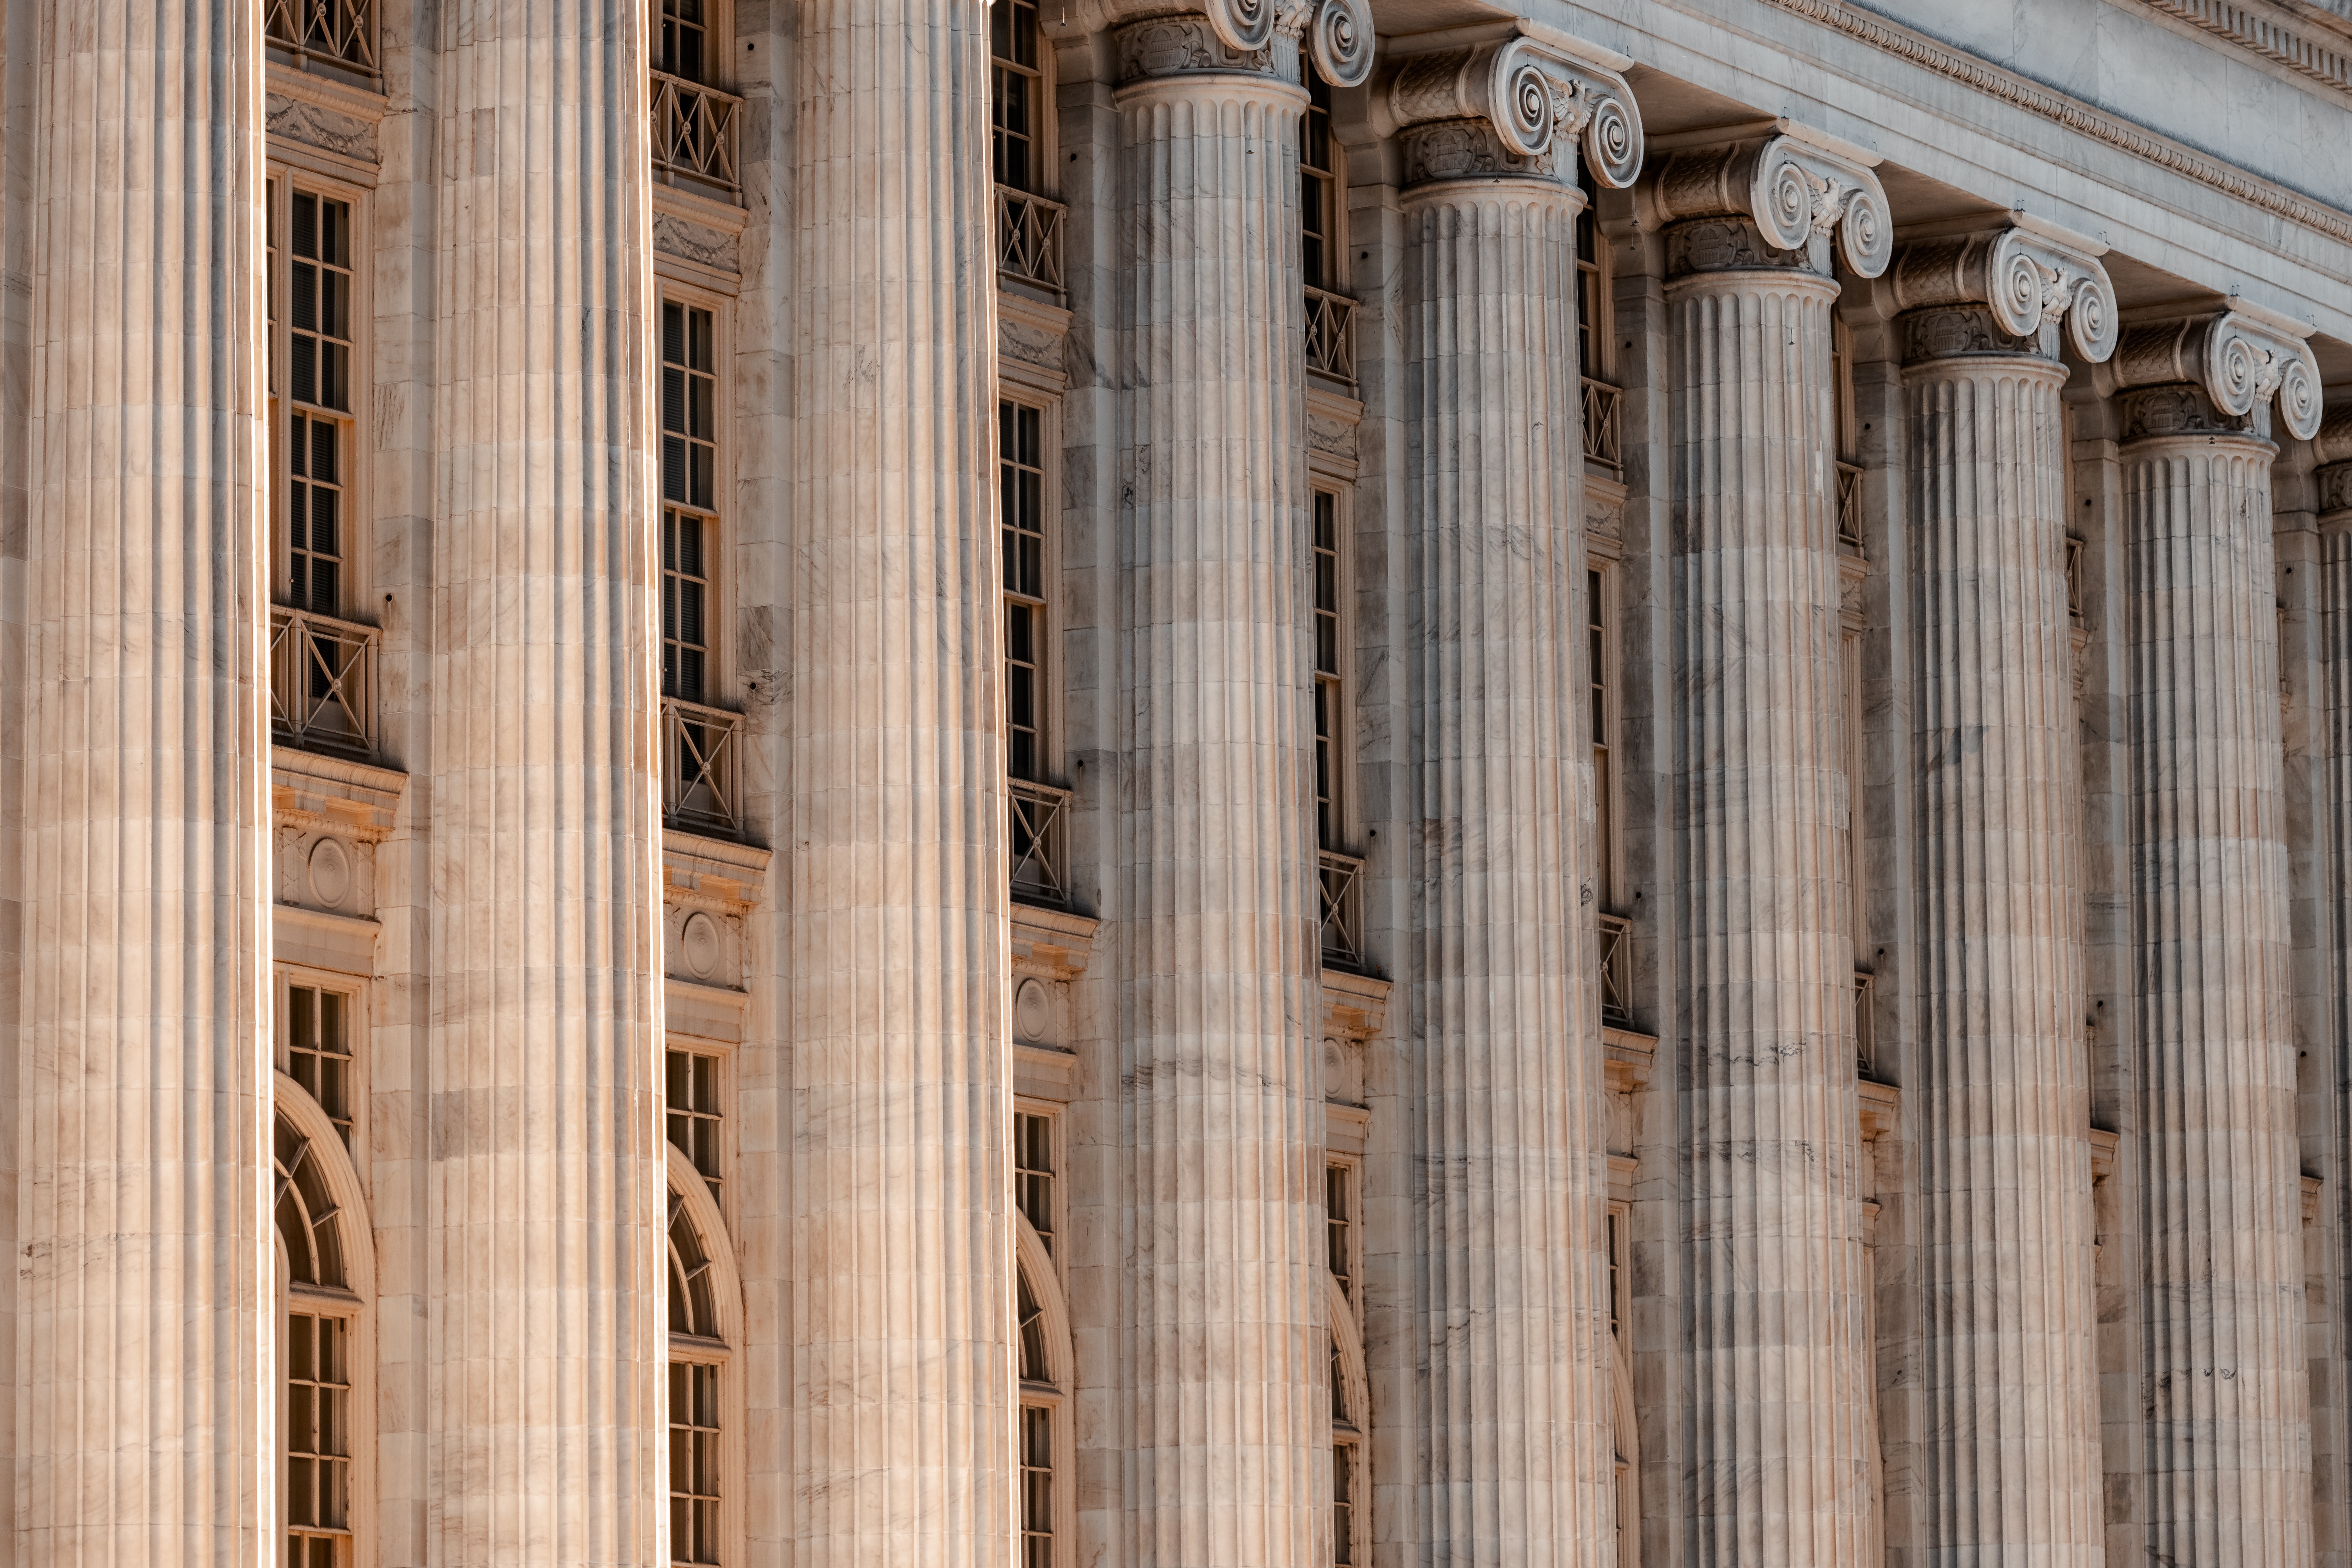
<point>325,1277</point>
<point>1349,1424</point>
<point>698,1362</point>
<point>1044,1437</point>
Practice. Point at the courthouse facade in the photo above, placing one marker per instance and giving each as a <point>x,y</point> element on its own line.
<point>1177,783</point>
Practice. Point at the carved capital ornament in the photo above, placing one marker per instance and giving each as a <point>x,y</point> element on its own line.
<point>1796,195</point>
<point>1513,108</point>
<point>2020,286</point>
<point>2242,367</point>
<point>1253,37</point>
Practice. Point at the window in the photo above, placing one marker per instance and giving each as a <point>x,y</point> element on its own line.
<point>1318,183</point>
<point>697,1363</point>
<point>308,243</point>
<point>1032,1173</point>
<point>685,40</point>
<point>334,32</point>
<point>690,487</point>
<point>1327,695</point>
<point>1346,1436</point>
<point>692,1104</point>
<point>1597,672</point>
<point>1615,1239</point>
<point>319,1051</point>
<point>1592,297</point>
<point>1040,1411</point>
<point>1016,93</point>
<point>1021,479</point>
<point>316,1351</point>
<point>1338,1239</point>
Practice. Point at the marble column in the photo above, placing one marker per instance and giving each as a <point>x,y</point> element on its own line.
<point>1510,1166</point>
<point>2012,1472</point>
<point>1219,957</point>
<point>894,927</point>
<point>1779,1384</point>
<point>546,1195</point>
<point>2229,1459</point>
<point>146,1337</point>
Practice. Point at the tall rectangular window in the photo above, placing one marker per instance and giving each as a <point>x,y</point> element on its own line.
<point>1591,303</point>
<point>1596,661</point>
<point>1032,1173</point>
<point>684,43</point>
<point>1329,713</point>
<point>318,1440</point>
<point>311,344</point>
<point>319,1051</point>
<point>1020,479</point>
<point>689,497</point>
<point>1337,1242</point>
<point>1015,92</point>
<point>1318,187</point>
<point>693,1462</point>
<point>690,1103</point>
<point>1036,1483</point>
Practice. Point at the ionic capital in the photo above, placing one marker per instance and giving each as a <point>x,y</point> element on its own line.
<point>1251,37</point>
<point>1794,194</point>
<point>2021,286</point>
<point>2239,365</point>
<point>1513,108</point>
<point>2333,447</point>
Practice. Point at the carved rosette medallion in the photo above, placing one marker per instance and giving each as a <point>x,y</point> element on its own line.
<point>1776,202</point>
<point>2240,370</point>
<point>1513,109</point>
<point>2002,292</point>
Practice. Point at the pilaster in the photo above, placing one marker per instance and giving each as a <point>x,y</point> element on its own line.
<point>1511,1327</point>
<point>545,1200</point>
<point>2224,1381</point>
<point>2009,1468</point>
<point>1779,1417</point>
<point>1226,1351</point>
<point>894,931</point>
<point>145,1341</point>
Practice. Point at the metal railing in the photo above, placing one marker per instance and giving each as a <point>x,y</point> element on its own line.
<point>1616,972</point>
<point>1332,334</point>
<point>322,681</point>
<point>701,767</point>
<point>1849,508</point>
<point>1029,238</point>
<point>339,32</point>
<point>1866,1033</point>
<point>1604,441</point>
<point>1040,864</point>
<point>695,134</point>
<point>2075,551</point>
<point>1341,877</point>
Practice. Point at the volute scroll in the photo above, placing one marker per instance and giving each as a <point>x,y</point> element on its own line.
<point>1797,195</point>
<point>2030,284</point>
<point>2243,366</point>
<point>1533,97</point>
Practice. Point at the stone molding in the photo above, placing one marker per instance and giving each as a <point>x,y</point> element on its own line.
<point>1790,194</point>
<point>2001,291</point>
<point>1508,107</point>
<point>2333,447</point>
<point>2239,366</point>
<point>2072,114</point>
<point>2257,34</point>
<point>1253,37</point>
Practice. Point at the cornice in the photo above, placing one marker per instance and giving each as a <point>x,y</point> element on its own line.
<point>2070,113</point>
<point>2255,31</point>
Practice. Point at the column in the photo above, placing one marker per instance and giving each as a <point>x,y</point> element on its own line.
<point>145,1341</point>
<point>2331,828</point>
<point>2001,1076</point>
<point>894,928</point>
<point>1510,1164</point>
<point>2229,1457</point>
<point>1219,957</point>
<point>1780,1388</point>
<point>546,1195</point>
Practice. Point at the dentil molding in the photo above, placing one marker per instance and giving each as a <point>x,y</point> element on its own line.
<point>2021,286</point>
<point>2242,367</point>
<point>1511,108</point>
<point>1795,195</point>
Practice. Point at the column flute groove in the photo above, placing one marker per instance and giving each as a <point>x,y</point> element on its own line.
<point>895,947</point>
<point>546,1332</point>
<point>1780,1393</point>
<point>1510,1171</point>
<point>2011,1360</point>
<point>2229,1462</point>
<point>145,1341</point>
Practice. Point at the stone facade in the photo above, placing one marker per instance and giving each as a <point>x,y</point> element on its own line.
<point>1249,784</point>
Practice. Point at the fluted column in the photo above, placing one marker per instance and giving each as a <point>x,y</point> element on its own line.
<point>1779,1384</point>
<point>1219,958</point>
<point>144,1343</point>
<point>2228,1400</point>
<point>1509,1162</point>
<point>2011,1390</point>
<point>546,1332</point>
<point>895,952</point>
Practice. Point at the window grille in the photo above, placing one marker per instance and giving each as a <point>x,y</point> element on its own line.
<point>319,1052</point>
<point>336,33</point>
<point>690,1103</point>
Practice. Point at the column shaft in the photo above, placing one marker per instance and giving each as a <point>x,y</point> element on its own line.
<point>2229,1457</point>
<point>895,948</point>
<point>1779,1385</point>
<point>1505,1025</point>
<point>1219,954</point>
<point>546,1196</point>
<point>145,1341</point>
<point>2004,1167</point>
